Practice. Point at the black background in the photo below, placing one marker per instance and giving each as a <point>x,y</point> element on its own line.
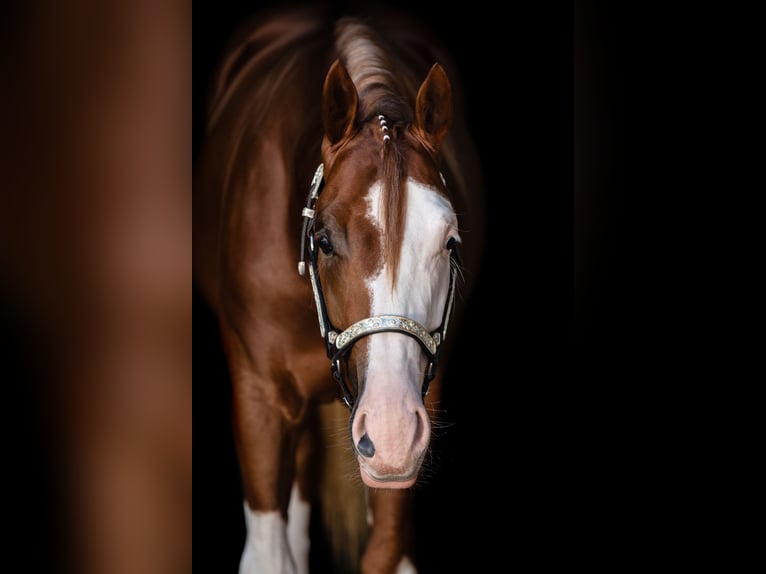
<point>559,390</point>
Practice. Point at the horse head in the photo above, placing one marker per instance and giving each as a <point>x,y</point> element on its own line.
<point>383,234</point>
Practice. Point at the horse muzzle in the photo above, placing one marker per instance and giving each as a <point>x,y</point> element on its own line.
<point>390,440</point>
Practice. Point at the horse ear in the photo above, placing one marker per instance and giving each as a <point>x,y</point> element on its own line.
<point>433,106</point>
<point>339,103</point>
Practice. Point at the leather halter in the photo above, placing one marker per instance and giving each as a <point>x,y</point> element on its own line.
<point>339,343</point>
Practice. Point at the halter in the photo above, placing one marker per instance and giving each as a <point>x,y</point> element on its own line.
<point>339,343</point>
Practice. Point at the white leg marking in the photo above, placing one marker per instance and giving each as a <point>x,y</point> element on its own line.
<point>406,566</point>
<point>298,517</point>
<point>266,550</point>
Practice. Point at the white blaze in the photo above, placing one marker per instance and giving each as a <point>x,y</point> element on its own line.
<point>422,281</point>
<point>298,517</point>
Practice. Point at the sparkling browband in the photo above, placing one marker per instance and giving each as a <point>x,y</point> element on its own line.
<point>382,323</point>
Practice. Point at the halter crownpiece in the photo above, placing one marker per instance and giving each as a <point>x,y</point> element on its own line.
<point>339,343</point>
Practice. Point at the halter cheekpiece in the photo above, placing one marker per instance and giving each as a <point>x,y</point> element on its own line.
<point>339,342</point>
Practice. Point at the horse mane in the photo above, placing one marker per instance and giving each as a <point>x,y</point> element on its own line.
<point>371,65</point>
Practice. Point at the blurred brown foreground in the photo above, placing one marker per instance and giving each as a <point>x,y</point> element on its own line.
<point>95,276</point>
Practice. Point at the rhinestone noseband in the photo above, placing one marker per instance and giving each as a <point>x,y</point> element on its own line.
<point>339,343</point>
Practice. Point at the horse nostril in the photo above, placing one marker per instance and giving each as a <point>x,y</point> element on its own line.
<point>365,446</point>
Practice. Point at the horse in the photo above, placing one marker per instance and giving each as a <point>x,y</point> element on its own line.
<point>337,187</point>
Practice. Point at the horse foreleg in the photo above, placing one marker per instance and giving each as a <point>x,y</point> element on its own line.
<point>390,546</point>
<point>267,437</point>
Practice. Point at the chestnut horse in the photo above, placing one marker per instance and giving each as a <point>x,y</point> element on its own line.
<point>340,146</point>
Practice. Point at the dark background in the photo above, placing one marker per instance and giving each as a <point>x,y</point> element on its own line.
<point>589,430</point>
<point>558,391</point>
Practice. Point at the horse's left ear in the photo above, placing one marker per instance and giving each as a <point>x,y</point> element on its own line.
<point>433,106</point>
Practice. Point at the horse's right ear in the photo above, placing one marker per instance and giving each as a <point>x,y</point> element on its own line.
<point>339,103</point>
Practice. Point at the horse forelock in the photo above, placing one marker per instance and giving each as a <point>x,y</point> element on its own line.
<point>393,177</point>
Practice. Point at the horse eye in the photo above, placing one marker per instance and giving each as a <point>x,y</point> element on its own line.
<point>324,244</point>
<point>450,244</point>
